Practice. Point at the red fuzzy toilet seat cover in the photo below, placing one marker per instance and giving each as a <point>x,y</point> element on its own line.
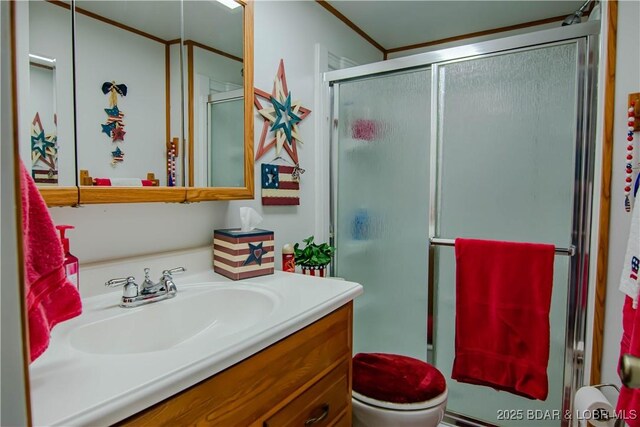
<point>397,379</point>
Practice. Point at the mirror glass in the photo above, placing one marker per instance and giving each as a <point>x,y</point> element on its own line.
<point>213,66</point>
<point>128,98</point>
<point>45,81</point>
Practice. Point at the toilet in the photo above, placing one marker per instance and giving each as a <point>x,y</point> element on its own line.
<point>391,390</point>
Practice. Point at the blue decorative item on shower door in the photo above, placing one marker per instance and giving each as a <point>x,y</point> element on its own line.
<point>361,225</point>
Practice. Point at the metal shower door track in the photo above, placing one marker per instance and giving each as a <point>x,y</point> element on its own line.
<point>420,60</point>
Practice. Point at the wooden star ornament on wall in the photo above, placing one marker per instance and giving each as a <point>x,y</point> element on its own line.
<point>282,116</point>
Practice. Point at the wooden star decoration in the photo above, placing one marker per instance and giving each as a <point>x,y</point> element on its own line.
<point>282,116</point>
<point>108,128</point>
<point>255,254</point>
<point>117,156</point>
<point>44,147</point>
<point>118,134</point>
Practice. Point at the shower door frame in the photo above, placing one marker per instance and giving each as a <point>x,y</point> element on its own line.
<point>586,37</point>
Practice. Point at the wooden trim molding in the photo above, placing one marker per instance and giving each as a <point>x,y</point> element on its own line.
<point>60,196</point>
<point>605,194</point>
<point>201,194</point>
<point>213,50</point>
<point>190,113</point>
<point>46,67</point>
<point>167,92</point>
<point>96,195</point>
<point>477,34</point>
<point>325,4</point>
<point>108,21</point>
<point>248,98</point>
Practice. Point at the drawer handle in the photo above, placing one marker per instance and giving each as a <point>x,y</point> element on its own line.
<point>325,412</point>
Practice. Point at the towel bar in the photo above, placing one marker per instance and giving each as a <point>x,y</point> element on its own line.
<point>570,251</point>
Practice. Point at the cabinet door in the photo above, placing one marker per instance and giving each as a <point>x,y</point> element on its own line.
<point>321,405</point>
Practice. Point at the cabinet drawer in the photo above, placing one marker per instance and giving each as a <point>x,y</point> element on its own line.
<point>321,405</point>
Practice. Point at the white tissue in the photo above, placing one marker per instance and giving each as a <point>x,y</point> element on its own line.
<point>249,219</point>
<point>587,402</point>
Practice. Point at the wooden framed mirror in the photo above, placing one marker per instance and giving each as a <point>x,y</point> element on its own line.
<point>115,88</point>
<point>219,89</point>
<point>44,65</point>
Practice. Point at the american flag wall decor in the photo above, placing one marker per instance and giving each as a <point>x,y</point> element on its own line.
<point>279,187</point>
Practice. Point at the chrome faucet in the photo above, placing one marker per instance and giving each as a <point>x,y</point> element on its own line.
<point>134,295</point>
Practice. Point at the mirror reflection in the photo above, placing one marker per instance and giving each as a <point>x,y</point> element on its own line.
<point>46,80</point>
<point>159,97</point>
<point>129,121</point>
<point>213,42</point>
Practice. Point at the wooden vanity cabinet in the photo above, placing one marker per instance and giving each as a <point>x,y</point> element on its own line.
<point>302,380</point>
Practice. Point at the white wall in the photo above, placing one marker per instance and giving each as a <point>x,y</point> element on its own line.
<point>627,81</point>
<point>216,67</point>
<point>13,402</point>
<point>307,24</point>
<point>123,230</point>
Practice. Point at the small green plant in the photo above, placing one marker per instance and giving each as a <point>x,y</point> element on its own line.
<point>312,254</point>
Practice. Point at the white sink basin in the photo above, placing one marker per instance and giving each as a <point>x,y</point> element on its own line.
<point>219,311</point>
<point>111,362</point>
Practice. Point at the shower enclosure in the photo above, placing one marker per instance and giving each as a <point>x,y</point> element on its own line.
<point>493,140</point>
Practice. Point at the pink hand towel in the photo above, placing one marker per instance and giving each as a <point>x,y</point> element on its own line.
<point>50,297</point>
<point>503,298</point>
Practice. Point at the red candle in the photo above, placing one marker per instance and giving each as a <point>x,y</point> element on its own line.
<point>288,259</point>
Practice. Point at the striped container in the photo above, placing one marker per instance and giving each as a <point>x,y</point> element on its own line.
<point>243,254</point>
<point>314,270</point>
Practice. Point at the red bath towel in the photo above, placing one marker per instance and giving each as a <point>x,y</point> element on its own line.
<point>503,297</point>
<point>628,406</point>
<point>50,297</point>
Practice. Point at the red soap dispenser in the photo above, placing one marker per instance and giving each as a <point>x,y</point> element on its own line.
<point>71,266</point>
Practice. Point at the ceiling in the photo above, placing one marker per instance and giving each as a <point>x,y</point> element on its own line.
<point>394,23</point>
<point>390,23</point>
<point>207,22</point>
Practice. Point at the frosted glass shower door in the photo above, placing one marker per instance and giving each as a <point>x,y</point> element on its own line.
<point>381,193</point>
<point>507,166</point>
<point>226,154</point>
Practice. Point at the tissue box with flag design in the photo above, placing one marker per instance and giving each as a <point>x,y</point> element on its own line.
<point>243,254</point>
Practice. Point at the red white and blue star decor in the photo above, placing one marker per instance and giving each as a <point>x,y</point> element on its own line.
<point>114,127</point>
<point>44,153</point>
<point>117,156</point>
<point>255,254</point>
<point>281,116</point>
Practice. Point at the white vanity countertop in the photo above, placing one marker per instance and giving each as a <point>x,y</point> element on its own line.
<point>73,387</point>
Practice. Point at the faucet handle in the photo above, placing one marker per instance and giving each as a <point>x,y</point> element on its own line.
<point>120,281</point>
<point>130,287</point>
<point>173,271</point>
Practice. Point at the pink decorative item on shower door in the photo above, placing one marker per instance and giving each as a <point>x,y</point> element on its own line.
<point>365,129</point>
